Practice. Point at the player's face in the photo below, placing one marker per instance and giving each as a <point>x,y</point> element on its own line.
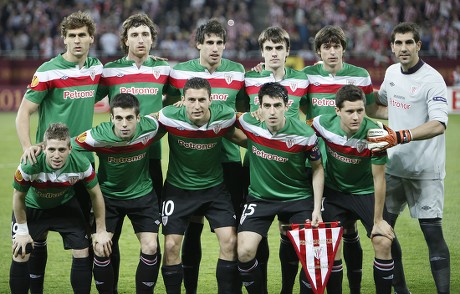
<point>273,110</point>
<point>211,50</point>
<point>139,41</point>
<point>351,116</point>
<point>331,54</point>
<point>406,49</point>
<point>124,122</point>
<point>56,152</point>
<point>274,55</point>
<point>197,103</point>
<point>78,41</point>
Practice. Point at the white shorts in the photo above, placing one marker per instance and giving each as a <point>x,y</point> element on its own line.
<point>425,198</point>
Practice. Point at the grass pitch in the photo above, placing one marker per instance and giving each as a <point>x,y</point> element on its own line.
<point>415,253</point>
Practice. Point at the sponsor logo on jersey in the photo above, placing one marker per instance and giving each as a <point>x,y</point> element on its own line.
<point>392,84</point>
<point>50,195</point>
<point>219,97</point>
<point>73,180</point>
<point>156,73</point>
<point>120,75</point>
<point>400,105</point>
<point>350,82</point>
<point>64,78</point>
<point>126,159</point>
<point>81,138</point>
<point>228,78</point>
<point>217,128</point>
<point>18,175</point>
<point>343,158</point>
<point>196,146</point>
<point>92,74</point>
<point>293,86</point>
<point>34,82</point>
<point>79,94</point>
<point>268,156</point>
<point>139,91</point>
<point>323,102</point>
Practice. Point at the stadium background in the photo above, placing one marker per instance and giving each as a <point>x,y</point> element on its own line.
<point>29,35</point>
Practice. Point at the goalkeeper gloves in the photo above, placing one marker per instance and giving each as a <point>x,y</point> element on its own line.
<point>393,138</point>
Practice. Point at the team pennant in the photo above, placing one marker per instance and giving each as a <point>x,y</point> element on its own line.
<point>316,249</point>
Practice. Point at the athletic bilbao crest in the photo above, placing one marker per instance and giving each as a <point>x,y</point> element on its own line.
<point>228,78</point>
<point>316,249</point>
<point>73,180</point>
<point>92,74</point>
<point>361,145</point>
<point>290,143</point>
<point>413,90</point>
<point>156,73</point>
<point>217,128</point>
<point>293,86</point>
<point>350,82</point>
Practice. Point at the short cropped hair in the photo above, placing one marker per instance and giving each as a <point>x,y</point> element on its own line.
<point>57,131</point>
<point>136,20</point>
<point>349,93</point>
<point>406,27</point>
<point>125,101</point>
<point>197,83</point>
<point>276,35</point>
<point>213,26</point>
<point>274,90</point>
<point>330,34</point>
<point>78,20</point>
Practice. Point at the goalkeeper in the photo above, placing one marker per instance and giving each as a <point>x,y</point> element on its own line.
<point>354,187</point>
<point>416,97</point>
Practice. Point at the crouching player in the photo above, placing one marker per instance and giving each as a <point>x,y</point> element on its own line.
<point>355,182</point>
<point>278,148</point>
<point>43,200</point>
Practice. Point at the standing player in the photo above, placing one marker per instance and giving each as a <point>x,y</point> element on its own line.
<point>122,146</point>
<point>194,183</point>
<point>43,200</point>
<point>227,79</point>
<point>274,44</point>
<point>62,90</point>
<point>417,106</point>
<point>139,74</point>
<point>355,182</point>
<point>278,148</point>
<point>326,78</point>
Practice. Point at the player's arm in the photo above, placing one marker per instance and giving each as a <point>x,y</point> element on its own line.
<point>26,109</point>
<point>22,236</point>
<point>376,109</point>
<point>318,188</point>
<point>102,240</point>
<point>237,136</point>
<point>381,227</point>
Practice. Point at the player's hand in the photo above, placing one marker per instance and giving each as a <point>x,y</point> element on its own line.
<point>382,228</point>
<point>158,58</point>
<point>102,243</point>
<point>257,115</point>
<point>20,246</point>
<point>258,68</point>
<point>392,138</point>
<point>30,154</point>
<point>179,103</point>
<point>316,218</point>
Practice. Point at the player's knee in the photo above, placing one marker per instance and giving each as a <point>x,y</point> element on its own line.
<point>149,246</point>
<point>382,246</point>
<point>172,247</point>
<point>80,253</point>
<point>246,252</point>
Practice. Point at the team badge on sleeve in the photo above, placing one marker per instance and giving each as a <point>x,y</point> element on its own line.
<point>34,82</point>
<point>316,249</point>
<point>81,138</point>
<point>18,176</point>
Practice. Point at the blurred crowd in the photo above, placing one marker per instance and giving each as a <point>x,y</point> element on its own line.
<point>30,28</point>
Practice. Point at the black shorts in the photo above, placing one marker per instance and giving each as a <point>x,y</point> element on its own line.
<point>348,208</point>
<point>142,211</point>
<point>258,214</point>
<point>234,182</point>
<point>180,205</point>
<point>66,219</point>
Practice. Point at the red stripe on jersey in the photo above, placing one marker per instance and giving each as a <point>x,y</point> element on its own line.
<point>215,83</point>
<point>275,144</point>
<point>134,78</point>
<point>110,149</point>
<point>348,150</point>
<point>333,88</point>
<point>197,133</point>
<point>90,177</point>
<point>50,185</point>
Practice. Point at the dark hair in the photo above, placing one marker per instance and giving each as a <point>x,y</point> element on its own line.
<point>213,26</point>
<point>276,35</point>
<point>124,101</point>
<point>330,34</point>
<point>349,93</point>
<point>197,83</point>
<point>78,20</point>
<point>57,131</point>
<point>406,27</point>
<point>134,21</point>
<point>274,90</point>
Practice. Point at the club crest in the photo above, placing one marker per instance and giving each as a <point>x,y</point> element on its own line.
<point>413,90</point>
<point>293,86</point>
<point>318,251</point>
<point>361,145</point>
<point>217,128</point>
<point>164,220</point>
<point>228,78</point>
<point>73,180</point>
<point>290,143</point>
<point>156,73</point>
<point>92,74</point>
